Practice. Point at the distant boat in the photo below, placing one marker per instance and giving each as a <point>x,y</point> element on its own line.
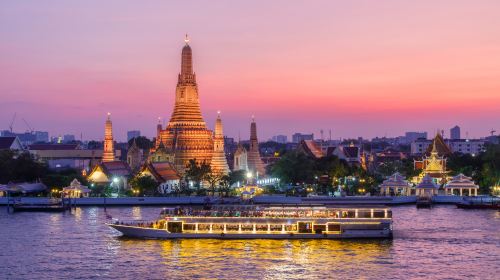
<point>38,207</point>
<point>424,202</point>
<point>480,203</point>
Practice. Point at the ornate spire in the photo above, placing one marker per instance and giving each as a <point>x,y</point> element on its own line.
<point>187,75</point>
<point>219,162</point>
<point>109,150</point>
<point>255,163</point>
<point>186,135</point>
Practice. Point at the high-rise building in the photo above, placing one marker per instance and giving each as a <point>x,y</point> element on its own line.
<point>255,164</point>
<point>219,163</point>
<point>282,139</point>
<point>109,145</point>
<point>186,135</point>
<point>455,133</point>
<point>412,136</point>
<point>133,134</point>
<point>68,138</point>
<point>298,137</point>
<point>42,136</point>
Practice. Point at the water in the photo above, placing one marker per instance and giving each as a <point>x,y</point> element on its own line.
<point>441,243</point>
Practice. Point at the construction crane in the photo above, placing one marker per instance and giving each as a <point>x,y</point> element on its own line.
<point>492,132</point>
<point>11,126</point>
<point>29,127</point>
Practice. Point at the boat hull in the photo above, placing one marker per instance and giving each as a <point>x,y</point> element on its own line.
<point>478,206</point>
<point>151,233</point>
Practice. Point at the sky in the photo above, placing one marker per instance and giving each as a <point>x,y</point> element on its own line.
<point>357,68</point>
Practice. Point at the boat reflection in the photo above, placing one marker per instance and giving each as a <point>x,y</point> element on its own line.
<point>272,258</point>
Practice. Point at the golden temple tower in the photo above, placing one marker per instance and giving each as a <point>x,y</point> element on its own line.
<point>255,164</point>
<point>109,146</point>
<point>219,163</point>
<point>186,134</point>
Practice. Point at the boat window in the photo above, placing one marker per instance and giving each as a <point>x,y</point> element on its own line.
<point>378,214</point>
<point>174,227</point>
<point>217,227</point>
<point>232,227</point>
<point>204,227</point>
<point>247,227</point>
<point>348,214</point>
<point>189,227</point>
<point>364,214</point>
<point>318,229</point>
<point>333,227</point>
<point>275,227</point>
<point>389,214</point>
<point>291,227</point>
<point>260,227</point>
<point>305,227</point>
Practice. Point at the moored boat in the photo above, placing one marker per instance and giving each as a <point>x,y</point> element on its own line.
<point>480,203</point>
<point>252,222</point>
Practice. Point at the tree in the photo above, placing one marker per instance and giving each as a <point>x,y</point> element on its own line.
<point>236,176</point>
<point>142,143</point>
<point>197,172</point>
<point>61,179</point>
<point>294,167</point>
<point>145,185</point>
<point>225,185</point>
<point>213,178</point>
<point>15,167</point>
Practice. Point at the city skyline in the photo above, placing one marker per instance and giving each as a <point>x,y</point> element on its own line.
<point>361,69</point>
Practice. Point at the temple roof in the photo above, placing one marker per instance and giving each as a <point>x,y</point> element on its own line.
<point>116,168</point>
<point>310,148</point>
<point>427,183</point>
<point>461,181</point>
<point>351,151</point>
<point>162,171</point>
<point>395,180</point>
<point>439,146</point>
<point>6,142</point>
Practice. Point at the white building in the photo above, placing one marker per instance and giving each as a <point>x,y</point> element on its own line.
<point>464,146</point>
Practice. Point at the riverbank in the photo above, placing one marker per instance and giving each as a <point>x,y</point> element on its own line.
<point>270,199</point>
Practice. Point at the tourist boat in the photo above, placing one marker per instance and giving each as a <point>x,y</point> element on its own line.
<point>479,203</point>
<point>254,222</point>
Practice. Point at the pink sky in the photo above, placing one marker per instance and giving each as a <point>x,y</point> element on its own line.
<point>359,68</point>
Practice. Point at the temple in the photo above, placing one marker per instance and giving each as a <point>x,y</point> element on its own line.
<point>255,164</point>
<point>427,187</point>
<point>395,185</point>
<point>219,163</point>
<point>433,165</point>
<point>186,135</point>
<point>240,158</point>
<point>109,146</point>
<point>459,184</point>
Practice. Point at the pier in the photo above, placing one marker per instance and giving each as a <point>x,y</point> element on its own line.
<point>264,199</point>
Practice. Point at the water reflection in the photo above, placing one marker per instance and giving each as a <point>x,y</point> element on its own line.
<point>269,258</point>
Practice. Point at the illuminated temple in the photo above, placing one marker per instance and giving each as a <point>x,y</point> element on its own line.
<point>254,162</point>
<point>186,135</point>
<point>219,162</point>
<point>433,165</point>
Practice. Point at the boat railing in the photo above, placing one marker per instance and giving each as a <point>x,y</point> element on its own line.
<point>336,214</point>
<point>482,200</point>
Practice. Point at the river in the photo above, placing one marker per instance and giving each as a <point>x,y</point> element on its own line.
<point>438,243</point>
